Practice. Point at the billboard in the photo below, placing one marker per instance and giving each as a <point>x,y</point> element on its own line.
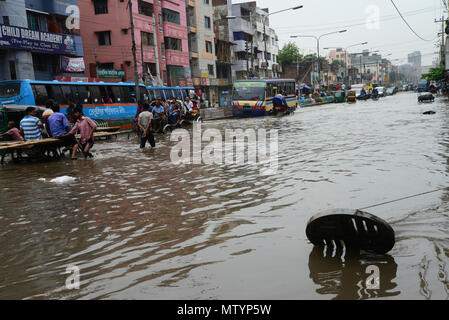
<point>35,40</point>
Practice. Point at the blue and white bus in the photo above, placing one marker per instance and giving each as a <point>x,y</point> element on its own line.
<point>169,92</point>
<point>113,103</point>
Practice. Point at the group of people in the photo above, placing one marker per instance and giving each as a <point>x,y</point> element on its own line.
<point>153,116</point>
<point>54,124</point>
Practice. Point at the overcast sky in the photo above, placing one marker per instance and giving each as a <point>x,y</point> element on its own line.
<point>357,16</point>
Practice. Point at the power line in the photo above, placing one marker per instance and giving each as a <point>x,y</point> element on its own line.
<point>409,25</point>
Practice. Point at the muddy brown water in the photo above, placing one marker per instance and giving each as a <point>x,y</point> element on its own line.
<point>139,227</point>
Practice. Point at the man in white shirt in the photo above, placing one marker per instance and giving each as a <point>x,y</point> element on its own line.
<point>144,123</point>
<point>188,105</point>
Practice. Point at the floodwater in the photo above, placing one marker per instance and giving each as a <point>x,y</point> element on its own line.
<point>139,227</point>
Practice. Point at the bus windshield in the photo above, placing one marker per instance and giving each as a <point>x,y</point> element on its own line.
<point>251,91</point>
<point>9,90</point>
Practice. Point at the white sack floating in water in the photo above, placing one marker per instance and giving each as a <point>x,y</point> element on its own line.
<point>60,180</point>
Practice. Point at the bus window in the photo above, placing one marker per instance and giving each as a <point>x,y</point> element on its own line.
<point>143,94</point>
<point>116,93</point>
<point>125,93</point>
<point>270,90</point>
<point>151,94</point>
<point>67,93</point>
<point>111,98</point>
<point>9,90</point>
<point>82,94</point>
<point>95,95</point>
<point>55,93</point>
<point>183,94</point>
<point>168,93</point>
<point>103,94</point>
<point>40,94</point>
<point>275,90</point>
<point>158,93</point>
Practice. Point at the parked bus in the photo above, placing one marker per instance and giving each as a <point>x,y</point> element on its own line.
<point>169,92</point>
<point>254,98</point>
<point>113,103</point>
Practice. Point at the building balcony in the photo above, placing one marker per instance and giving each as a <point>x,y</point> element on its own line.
<point>241,25</point>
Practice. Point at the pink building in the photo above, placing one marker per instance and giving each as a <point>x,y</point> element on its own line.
<point>106,32</point>
<point>339,55</point>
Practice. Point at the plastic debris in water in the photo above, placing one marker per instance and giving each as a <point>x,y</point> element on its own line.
<point>63,179</point>
<point>353,229</point>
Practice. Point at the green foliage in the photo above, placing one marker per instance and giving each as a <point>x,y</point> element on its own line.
<point>435,74</point>
<point>290,54</point>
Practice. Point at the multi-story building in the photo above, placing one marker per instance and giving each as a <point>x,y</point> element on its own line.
<point>371,67</point>
<point>246,30</point>
<point>39,39</point>
<point>160,30</point>
<point>414,58</point>
<point>200,24</point>
<point>339,55</point>
<point>224,53</point>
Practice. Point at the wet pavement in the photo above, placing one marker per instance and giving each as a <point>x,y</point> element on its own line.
<point>139,227</point>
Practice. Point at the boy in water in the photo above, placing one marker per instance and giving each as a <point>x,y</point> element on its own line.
<point>86,127</point>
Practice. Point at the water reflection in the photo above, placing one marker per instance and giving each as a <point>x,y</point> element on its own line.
<point>344,275</point>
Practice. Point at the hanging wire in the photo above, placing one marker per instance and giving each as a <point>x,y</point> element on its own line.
<point>397,9</point>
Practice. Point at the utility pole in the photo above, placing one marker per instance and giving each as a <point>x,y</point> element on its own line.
<point>442,41</point>
<point>141,56</point>
<point>136,74</point>
<point>247,57</point>
<point>156,52</point>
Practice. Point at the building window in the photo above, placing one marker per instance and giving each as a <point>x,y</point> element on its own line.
<point>147,38</point>
<point>207,22</point>
<point>104,38</point>
<point>209,47</point>
<point>170,16</point>
<point>163,51</point>
<point>36,21</point>
<point>12,70</point>
<point>145,8</point>
<point>206,1</point>
<point>160,23</point>
<point>173,44</point>
<point>106,66</point>
<point>6,20</point>
<point>101,6</point>
<point>210,68</point>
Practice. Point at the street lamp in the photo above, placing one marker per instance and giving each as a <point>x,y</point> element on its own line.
<point>264,33</point>
<point>346,51</point>
<point>318,47</point>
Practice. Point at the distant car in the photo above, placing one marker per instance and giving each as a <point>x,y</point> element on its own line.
<point>390,91</point>
<point>426,97</point>
<point>382,91</point>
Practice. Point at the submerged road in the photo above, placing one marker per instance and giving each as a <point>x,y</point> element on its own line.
<point>138,226</point>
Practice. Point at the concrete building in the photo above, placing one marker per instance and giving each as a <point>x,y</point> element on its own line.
<point>339,55</point>
<point>414,58</point>
<point>371,68</point>
<point>224,54</point>
<point>160,29</point>
<point>246,31</point>
<point>39,40</point>
<point>201,37</point>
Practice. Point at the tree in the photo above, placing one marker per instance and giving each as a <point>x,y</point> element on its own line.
<point>289,54</point>
<point>435,74</point>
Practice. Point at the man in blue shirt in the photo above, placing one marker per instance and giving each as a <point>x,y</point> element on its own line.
<point>58,122</point>
<point>60,126</point>
<point>31,125</point>
<point>158,110</point>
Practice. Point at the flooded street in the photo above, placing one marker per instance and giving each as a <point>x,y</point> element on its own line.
<point>139,227</point>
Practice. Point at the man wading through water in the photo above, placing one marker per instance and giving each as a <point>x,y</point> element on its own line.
<point>144,123</point>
